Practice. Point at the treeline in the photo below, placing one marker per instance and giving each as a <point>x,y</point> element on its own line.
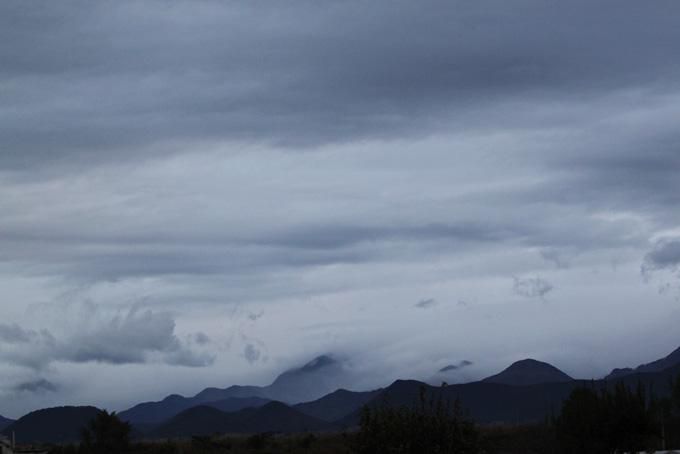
<point>593,420</point>
<point>433,425</point>
<point>618,420</point>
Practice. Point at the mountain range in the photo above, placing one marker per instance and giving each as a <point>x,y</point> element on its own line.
<point>526,391</point>
<point>318,377</point>
<point>272,417</point>
<point>507,403</point>
<point>336,405</point>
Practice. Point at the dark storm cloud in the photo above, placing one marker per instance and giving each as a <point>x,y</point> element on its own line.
<point>251,353</point>
<point>338,236</point>
<point>37,386</point>
<point>664,255</point>
<point>92,81</point>
<point>331,162</point>
<point>623,168</point>
<point>132,337</point>
<point>426,303</point>
<point>13,333</point>
<point>460,365</point>
<point>532,287</point>
<point>201,338</point>
<point>117,256</point>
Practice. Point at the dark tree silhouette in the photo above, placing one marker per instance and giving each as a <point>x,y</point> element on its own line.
<point>668,410</point>
<point>607,421</point>
<point>580,426</point>
<point>106,434</point>
<point>431,426</point>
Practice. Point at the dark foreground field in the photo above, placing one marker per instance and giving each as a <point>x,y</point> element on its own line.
<point>510,440</point>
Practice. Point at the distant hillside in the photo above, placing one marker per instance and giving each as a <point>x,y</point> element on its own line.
<point>320,376</point>
<point>501,403</point>
<point>311,381</point>
<point>151,413</point>
<point>656,366</point>
<point>529,372</point>
<point>196,421</point>
<point>279,417</point>
<point>272,417</point>
<point>4,422</point>
<point>236,391</point>
<point>238,403</point>
<point>486,402</point>
<point>336,405</point>
<point>55,425</point>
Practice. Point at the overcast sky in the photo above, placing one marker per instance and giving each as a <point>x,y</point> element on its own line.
<point>202,193</point>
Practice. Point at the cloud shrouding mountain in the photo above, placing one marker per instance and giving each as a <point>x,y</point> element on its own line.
<point>172,171</point>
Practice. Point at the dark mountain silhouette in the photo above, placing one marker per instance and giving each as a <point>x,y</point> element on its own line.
<point>490,402</point>
<point>529,372</point>
<point>311,381</point>
<point>655,366</point>
<point>4,422</point>
<point>238,403</point>
<point>337,405</point>
<point>279,417</point>
<point>236,391</point>
<point>272,417</point>
<point>200,420</point>
<point>486,402</point>
<point>502,398</point>
<point>53,425</point>
<point>151,413</point>
<point>155,412</point>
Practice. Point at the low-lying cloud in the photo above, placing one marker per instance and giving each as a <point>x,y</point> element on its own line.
<point>130,337</point>
<point>458,366</point>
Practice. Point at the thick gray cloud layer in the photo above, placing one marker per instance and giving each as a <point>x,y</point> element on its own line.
<point>91,82</point>
<point>170,171</point>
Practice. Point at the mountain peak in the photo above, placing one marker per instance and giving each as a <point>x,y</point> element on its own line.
<point>529,372</point>
<point>320,376</point>
<point>318,363</point>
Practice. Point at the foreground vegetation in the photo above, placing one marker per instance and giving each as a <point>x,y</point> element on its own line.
<point>591,420</point>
